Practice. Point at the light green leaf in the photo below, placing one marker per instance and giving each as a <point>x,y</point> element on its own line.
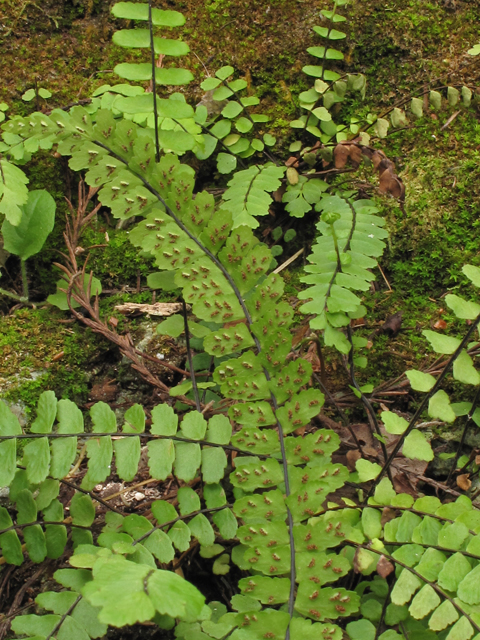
<point>127,457</point>
<point>435,99</point>
<point>441,343</point>
<point>193,426</point>
<point>214,463</point>
<point>469,588</point>
<point>29,95</point>
<point>416,447</point>
<point>405,587</point>
<point>9,426</point>
<point>174,596</point>
<point>452,96</point>
<point>161,456</point>
<point>36,457</point>
<point>439,407</point>
<point>164,420</point>
<point>472,273</point>
<point>367,470</point>
<point>466,96</point>
<point>381,127</point>
<point>201,529</point>
<point>139,11</point>
<point>444,616</point>
<point>462,308</point>
<point>173,326</point>
<point>141,72</point>
<point>425,601</point>
<point>119,607</point>
<point>180,535</point>
<point>464,371</point>
<point>82,510</point>
<point>226,163</point>
<point>394,423</point>
<point>187,460</point>
<point>225,72</point>
<point>420,381</point>
<point>417,107</point>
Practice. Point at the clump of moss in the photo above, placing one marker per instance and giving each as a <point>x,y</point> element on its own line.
<point>39,353</point>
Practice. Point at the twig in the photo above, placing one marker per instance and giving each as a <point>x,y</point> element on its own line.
<point>384,277</point>
<point>450,120</point>
<point>289,261</point>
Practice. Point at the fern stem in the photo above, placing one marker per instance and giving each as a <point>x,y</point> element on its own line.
<point>424,403</point>
<point>248,319</point>
<point>72,485</point>
<point>63,618</point>
<point>422,578</point>
<point>464,434</point>
<point>31,436</point>
<point>187,515</point>
<point>154,80</point>
<point>23,269</point>
<point>192,237</point>
<point>190,359</point>
<point>372,418</point>
<point>14,296</point>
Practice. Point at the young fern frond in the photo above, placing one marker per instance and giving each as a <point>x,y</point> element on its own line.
<point>351,238</point>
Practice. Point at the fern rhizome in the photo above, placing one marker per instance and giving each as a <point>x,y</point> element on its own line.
<point>318,550</point>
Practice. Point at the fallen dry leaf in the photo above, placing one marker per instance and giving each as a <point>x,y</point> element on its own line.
<point>341,153</point>
<point>352,456</point>
<point>440,324</point>
<point>387,515</point>
<point>300,334</point>
<point>384,567</point>
<point>312,357</point>
<point>291,161</point>
<point>464,482</point>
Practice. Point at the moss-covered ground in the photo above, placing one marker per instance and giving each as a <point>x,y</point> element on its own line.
<point>401,46</point>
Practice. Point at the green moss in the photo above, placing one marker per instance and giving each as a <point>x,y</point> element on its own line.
<point>39,353</point>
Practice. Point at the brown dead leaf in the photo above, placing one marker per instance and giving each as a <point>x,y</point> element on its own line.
<point>392,324</point>
<point>402,484</point>
<point>341,153</point>
<point>300,431</point>
<point>384,567</point>
<point>352,456</point>
<point>477,460</point>
<point>291,161</point>
<point>113,321</point>
<point>387,515</point>
<point>357,322</point>
<point>355,155</point>
<point>376,157</point>
<point>391,183</point>
<point>300,334</point>
<point>312,357</point>
<point>440,324</point>
<point>278,194</point>
<point>464,482</point>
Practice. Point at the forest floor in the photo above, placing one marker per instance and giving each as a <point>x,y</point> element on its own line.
<point>65,46</point>
<point>401,46</point>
